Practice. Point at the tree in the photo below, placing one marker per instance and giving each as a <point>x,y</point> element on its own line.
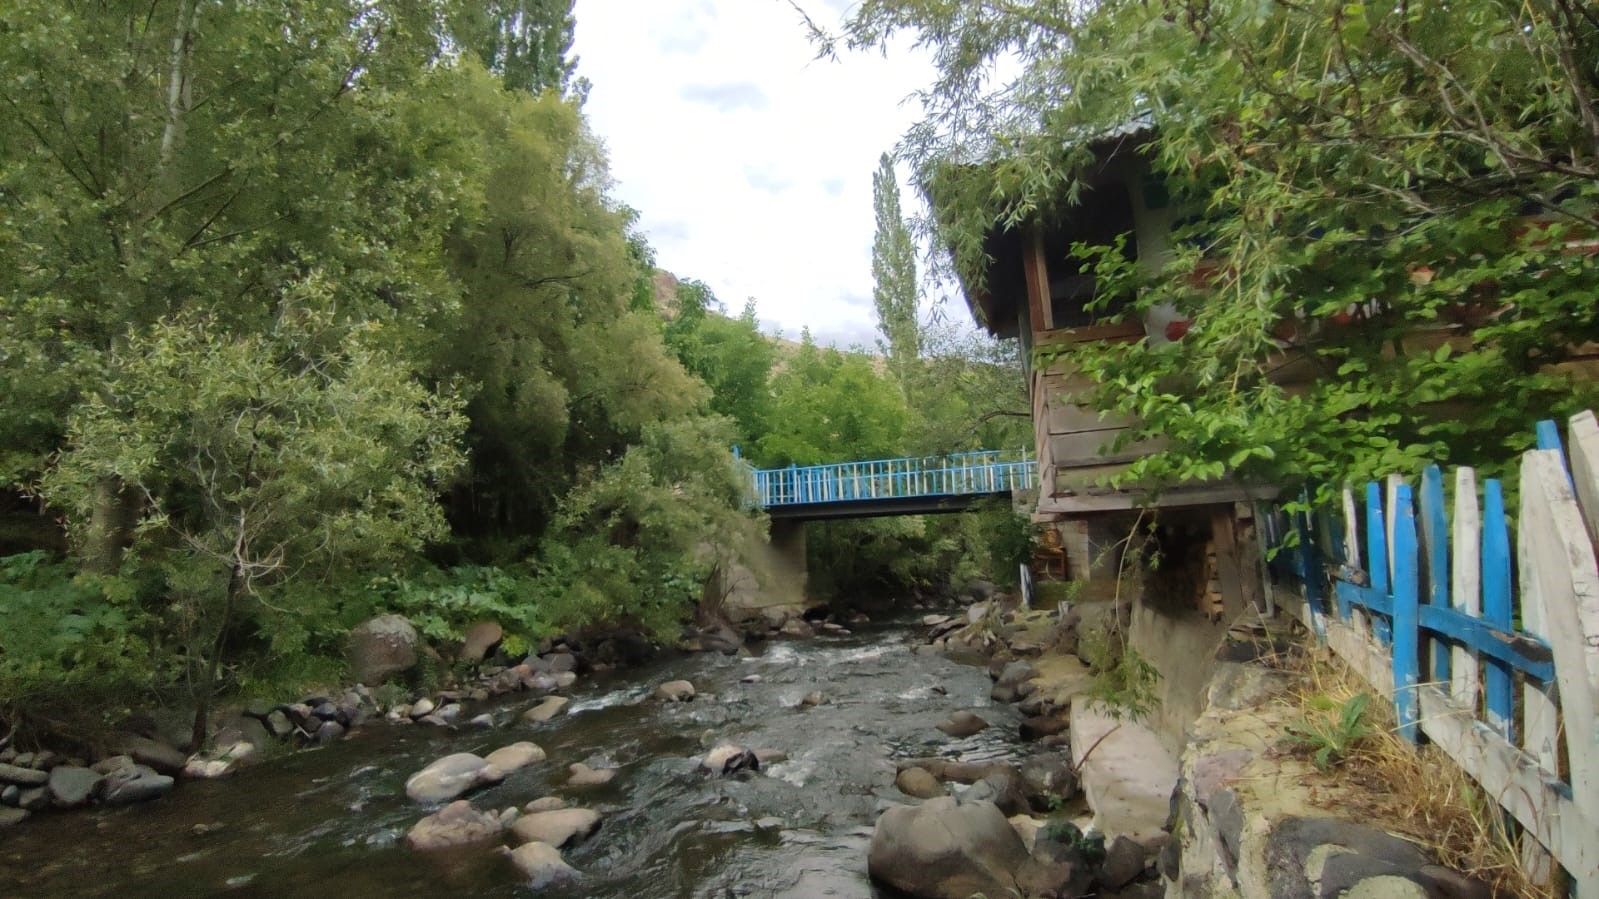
<point>1355,179</point>
<point>730,355</point>
<point>258,461</point>
<point>526,42</point>
<point>894,288</point>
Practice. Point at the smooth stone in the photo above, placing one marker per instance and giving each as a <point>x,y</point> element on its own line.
<point>557,827</point>
<point>422,708</point>
<point>581,775</point>
<point>457,824</point>
<point>564,679</point>
<point>28,777</point>
<point>11,816</point>
<point>381,648</point>
<point>136,784</point>
<point>515,756</point>
<point>10,795</point>
<point>34,799</point>
<point>544,711</point>
<point>542,865</point>
<point>963,724</point>
<point>484,720</point>
<point>812,699</point>
<point>675,691</point>
<point>919,782</point>
<point>71,787</point>
<point>545,804</point>
<point>329,732</point>
<point>449,777</point>
<point>770,756</point>
<point>1124,860</point>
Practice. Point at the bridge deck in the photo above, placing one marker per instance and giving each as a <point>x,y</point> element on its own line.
<point>906,486</point>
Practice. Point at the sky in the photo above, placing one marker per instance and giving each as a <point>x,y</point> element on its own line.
<point>749,160</point>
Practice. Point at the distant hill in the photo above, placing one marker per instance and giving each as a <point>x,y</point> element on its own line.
<point>666,284</point>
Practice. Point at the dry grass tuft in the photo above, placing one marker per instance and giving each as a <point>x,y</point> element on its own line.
<point>1419,794</point>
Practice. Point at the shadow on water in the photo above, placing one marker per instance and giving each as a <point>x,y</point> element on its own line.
<point>332,821</point>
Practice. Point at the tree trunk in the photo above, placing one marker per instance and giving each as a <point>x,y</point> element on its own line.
<point>115,508</point>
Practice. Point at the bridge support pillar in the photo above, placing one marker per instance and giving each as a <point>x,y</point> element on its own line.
<point>788,554</point>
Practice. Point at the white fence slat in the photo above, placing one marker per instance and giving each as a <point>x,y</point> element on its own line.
<point>1583,438</point>
<point>1466,593</point>
<point>1351,529</point>
<point>1566,580</point>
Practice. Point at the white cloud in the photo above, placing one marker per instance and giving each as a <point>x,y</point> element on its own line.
<point>749,160</point>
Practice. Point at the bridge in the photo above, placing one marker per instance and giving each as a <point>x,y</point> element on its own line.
<point>905,486</point>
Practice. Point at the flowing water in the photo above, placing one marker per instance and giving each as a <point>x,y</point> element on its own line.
<point>331,822</point>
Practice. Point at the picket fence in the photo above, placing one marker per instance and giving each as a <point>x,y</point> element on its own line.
<point>1492,656</point>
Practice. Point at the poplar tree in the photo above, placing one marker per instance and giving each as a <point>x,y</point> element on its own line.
<point>894,275</point>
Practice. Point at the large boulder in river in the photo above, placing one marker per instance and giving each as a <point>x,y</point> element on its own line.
<point>381,648</point>
<point>451,776</point>
<point>71,786</point>
<point>457,824</point>
<point>941,850</point>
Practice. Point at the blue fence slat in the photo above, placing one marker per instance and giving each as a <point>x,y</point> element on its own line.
<point>1549,436</point>
<point>1496,612</point>
<point>1437,530</point>
<point>1377,550</point>
<point>1406,624</point>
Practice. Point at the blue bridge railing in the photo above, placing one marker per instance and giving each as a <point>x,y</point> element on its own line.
<point>957,474</point>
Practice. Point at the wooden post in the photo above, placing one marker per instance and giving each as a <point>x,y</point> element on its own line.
<point>1035,270</point>
<point>1466,595</point>
<point>1406,625</point>
<point>1584,435</point>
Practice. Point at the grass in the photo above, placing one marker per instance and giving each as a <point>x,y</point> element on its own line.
<point>1419,793</point>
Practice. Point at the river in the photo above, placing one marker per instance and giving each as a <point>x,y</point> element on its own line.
<point>332,821</point>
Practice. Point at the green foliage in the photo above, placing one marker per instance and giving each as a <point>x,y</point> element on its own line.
<point>63,637</point>
<point>730,355</point>
<point>1090,847</point>
<point>831,406</point>
<point>1406,195</point>
<point>1124,681</point>
<point>1332,731</point>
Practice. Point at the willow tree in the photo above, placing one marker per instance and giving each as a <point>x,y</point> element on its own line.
<point>1352,174</point>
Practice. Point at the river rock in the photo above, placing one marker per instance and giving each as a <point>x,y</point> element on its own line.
<point>564,679</point>
<point>34,799</point>
<point>729,759</point>
<point>11,795</point>
<point>457,824</point>
<point>422,708</point>
<point>542,865</point>
<point>450,776</point>
<point>557,827</point>
<point>11,816</point>
<point>1049,780</point>
<point>545,804</point>
<point>328,732</point>
<point>797,627</point>
<point>940,850</point>
<point>27,777</point>
<point>138,783</point>
<point>485,721</point>
<point>812,699</point>
<point>1124,860</point>
<point>934,620</point>
<point>919,783</point>
<point>381,648</point>
<point>770,756</point>
<point>479,639</point>
<point>581,775</point>
<point>517,755</point>
<point>154,753</point>
<point>963,724</point>
<point>675,691</point>
<point>544,711</point>
<point>1040,726</point>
